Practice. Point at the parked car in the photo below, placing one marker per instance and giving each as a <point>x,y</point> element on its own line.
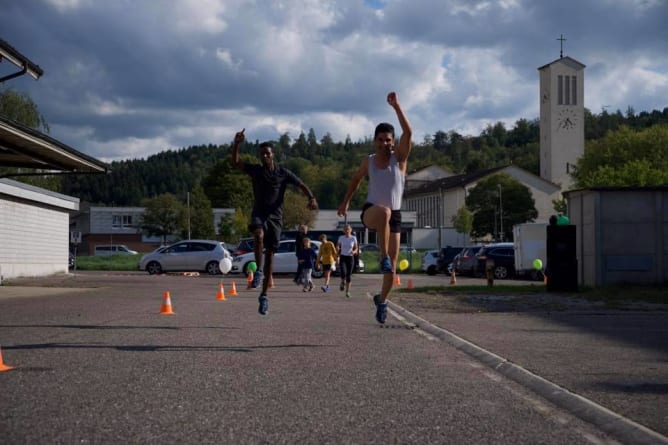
<point>114,249</point>
<point>503,255</point>
<point>285,259</point>
<point>446,257</point>
<point>430,262</point>
<point>245,245</point>
<point>369,248</point>
<point>187,255</point>
<point>466,262</point>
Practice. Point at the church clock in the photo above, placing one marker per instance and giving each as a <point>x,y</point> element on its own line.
<point>567,119</point>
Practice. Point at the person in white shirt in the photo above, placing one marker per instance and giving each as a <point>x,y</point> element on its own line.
<point>348,248</point>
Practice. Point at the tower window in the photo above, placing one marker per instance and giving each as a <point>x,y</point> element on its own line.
<point>567,90</point>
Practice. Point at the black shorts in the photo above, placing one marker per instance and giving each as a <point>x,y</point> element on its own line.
<point>272,228</point>
<point>395,218</point>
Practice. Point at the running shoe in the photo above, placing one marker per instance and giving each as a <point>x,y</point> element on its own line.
<point>264,305</point>
<point>386,265</point>
<point>325,288</point>
<point>257,279</point>
<point>310,287</point>
<point>342,286</point>
<point>347,294</point>
<point>381,309</point>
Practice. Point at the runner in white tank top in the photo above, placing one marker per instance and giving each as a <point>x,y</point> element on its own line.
<point>386,170</point>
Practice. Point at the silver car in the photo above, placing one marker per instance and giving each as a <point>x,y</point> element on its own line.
<point>186,256</point>
<point>285,259</point>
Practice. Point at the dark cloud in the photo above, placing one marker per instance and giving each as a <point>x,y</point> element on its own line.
<point>128,79</point>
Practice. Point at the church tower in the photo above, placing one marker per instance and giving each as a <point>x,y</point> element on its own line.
<point>561,119</point>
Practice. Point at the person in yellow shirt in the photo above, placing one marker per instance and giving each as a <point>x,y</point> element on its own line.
<point>327,256</point>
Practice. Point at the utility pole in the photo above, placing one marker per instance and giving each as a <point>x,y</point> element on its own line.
<point>500,213</point>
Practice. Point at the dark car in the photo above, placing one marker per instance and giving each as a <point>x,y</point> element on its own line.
<point>446,256</point>
<point>466,262</point>
<point>245,246</point>
<point>503,255</point>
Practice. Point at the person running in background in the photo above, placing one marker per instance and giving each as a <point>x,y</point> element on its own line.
<point>266,222</point>
<point>306,259</point>
<point>386,170</point>
<point>299,246</point>
<point>327,256</point>
<point>348,248</point>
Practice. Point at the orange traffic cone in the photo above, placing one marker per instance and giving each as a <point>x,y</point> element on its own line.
<point>221,292</point>
<point>233,289</point>
<point>271,282</point>
<point>410,283</point>
<point>4,367</point>
<point>249,279</point>
<point>166,308</point>
<point>453,278</point>
<point>397,280</point>
<point>545,279</point>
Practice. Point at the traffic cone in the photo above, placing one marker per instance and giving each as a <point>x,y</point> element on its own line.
<point>233,289</point>
<point>221,292</point>
<point>166,308</point>
<point>4,367</point>
<point>249,279</point>
<point>397,280</point>
<point>545,279</point>
<point>410,283</point>
<point>271,282</point>
<point>453,278</point>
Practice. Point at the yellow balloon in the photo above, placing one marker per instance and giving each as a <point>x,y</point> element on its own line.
<point>403,264</point>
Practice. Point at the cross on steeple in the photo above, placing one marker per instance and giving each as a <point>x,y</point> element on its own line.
<point>561,50</point>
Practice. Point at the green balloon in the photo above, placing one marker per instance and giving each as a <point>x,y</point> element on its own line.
<point>537,264</point>
<point>252,266</point>
<point>563,220</point>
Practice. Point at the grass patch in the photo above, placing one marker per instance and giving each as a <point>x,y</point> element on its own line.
<point>111,262</point>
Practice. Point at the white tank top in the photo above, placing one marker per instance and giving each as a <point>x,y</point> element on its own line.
<point>386,187</point>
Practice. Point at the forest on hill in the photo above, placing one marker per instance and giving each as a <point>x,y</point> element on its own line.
<point>620,149</point>
<point>326,165</point>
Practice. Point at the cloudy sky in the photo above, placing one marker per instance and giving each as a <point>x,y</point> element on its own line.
<point>126,79</point>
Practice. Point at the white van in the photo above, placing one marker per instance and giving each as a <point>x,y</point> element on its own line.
<point>114,249</point>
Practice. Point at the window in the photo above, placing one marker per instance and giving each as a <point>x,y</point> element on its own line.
<point>567,90</point>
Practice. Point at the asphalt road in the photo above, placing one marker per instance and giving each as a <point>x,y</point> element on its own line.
<point>95,362</point>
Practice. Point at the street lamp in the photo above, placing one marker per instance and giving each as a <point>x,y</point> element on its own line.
<point>500,212</point>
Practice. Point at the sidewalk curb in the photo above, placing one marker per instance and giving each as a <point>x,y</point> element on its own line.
<point>608,421</point>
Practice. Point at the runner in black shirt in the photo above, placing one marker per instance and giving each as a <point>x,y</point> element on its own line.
<point>266,222</point>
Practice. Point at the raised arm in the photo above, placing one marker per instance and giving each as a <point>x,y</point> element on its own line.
<point>405,143</point>
<point>354,185</point>
<point>238,139</point>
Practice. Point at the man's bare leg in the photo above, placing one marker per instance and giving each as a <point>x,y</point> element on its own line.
<point>388,278</point>
<point>378,218</point>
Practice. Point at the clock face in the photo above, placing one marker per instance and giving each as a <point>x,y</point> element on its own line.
<point>567,119</point>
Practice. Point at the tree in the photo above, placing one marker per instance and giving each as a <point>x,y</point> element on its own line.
<point>625,157</point>
<point>499,200</point>
<point>200,215</point>
<point>463,221</point>
<point>295,210</point>
<point>228,187</point>
<point>163,216</point>
<point>20,108</point>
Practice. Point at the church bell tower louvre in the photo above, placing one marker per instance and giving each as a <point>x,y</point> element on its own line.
<point>561,118</point>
